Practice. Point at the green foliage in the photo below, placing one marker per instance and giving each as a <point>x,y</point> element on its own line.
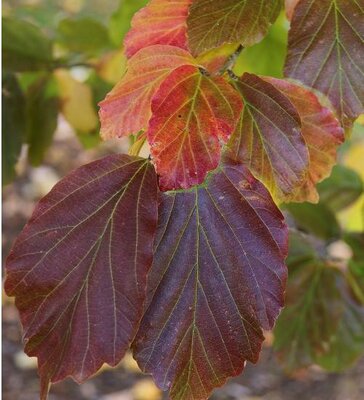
<point>25,46</point>
<point>13,125</point>
<point>41,112</point>
<point>341,189</point>
<point>315,218</point>
<point>83,36</point>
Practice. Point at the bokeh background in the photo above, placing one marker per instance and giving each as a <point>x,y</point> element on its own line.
<point>58,69</point>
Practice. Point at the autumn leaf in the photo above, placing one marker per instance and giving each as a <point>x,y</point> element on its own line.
<point>193,115</point>
<point>217,279</point>
<point>160,22</point>
<point>127,108</point>
<point>321,131</point>
<point>268,137</point>
<point>78,269</point>
<point>325,52</point>
<point>212,23</point>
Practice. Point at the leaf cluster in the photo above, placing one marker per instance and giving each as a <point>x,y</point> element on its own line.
<point>181,256</point>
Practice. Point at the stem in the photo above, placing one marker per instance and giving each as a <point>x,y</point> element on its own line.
<point>230,62</point>
<point>135,148</point>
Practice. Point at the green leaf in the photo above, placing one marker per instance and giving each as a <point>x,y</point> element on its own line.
<point>13,125</point>
<point>120,20</point>
<point>84,35</point>
<point>270,53</point>
<point>356,264</point>
<point>42,113</point>
<point>346,344</point>
<point>315,218</point>
<point>341,189</point>
<point>300,249</point>
<point>311,316</point>
<point>25,47</point>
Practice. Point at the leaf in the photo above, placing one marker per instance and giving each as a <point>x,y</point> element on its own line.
<point>160,22</point>
<point>13,125</point>
<point>271,53</point>
<point>324,51</point>
<point>127,108</point>
<point>193,115</point>
<point>77,102</point>
<point>112,66</point>
<point>212,23</point>
<point>120,20</point>
<point>321,131</point>
<point>341,189</point>
<point>345,346</point>
<point>315,218</point>
<point>268,137</point>
<point>84,35</point>
<point>42,113</point>
<point>25,47</point>
<point>311,316</point>
<point>78,269</point>
<point>214,284</point>
<point>300,249</point>
<point>356,264</point>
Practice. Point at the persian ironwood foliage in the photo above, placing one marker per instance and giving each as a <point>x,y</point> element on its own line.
<point>181,256</point>
<point>78,269</point>
<point>214,284</point>
<point>325,51</point>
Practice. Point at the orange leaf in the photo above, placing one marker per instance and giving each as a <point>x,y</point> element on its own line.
<point>126,109</point>
<point>160,22</point>
<point>193,115</point>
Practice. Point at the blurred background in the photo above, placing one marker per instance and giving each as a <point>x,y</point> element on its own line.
<point>60,58</point>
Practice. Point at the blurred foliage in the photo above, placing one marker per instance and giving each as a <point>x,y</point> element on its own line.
<point>59,57</point>
<point>13,124</point>
<point>323,321</point>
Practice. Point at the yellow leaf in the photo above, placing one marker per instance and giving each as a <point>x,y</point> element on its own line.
<point>77,104</point>
<point>112,66</point>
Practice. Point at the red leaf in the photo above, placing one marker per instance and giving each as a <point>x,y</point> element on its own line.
<point>192,116</point>
<point>325,51</point>
<point>212,23</point>
<point>268,138</point>
<point>160,22</point>
<point>78,269</point>
<point>127,108</point>
<point>218,278</point>
<point>321,131</point>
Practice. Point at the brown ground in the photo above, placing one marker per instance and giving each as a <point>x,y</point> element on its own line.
<point>265,381</point>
